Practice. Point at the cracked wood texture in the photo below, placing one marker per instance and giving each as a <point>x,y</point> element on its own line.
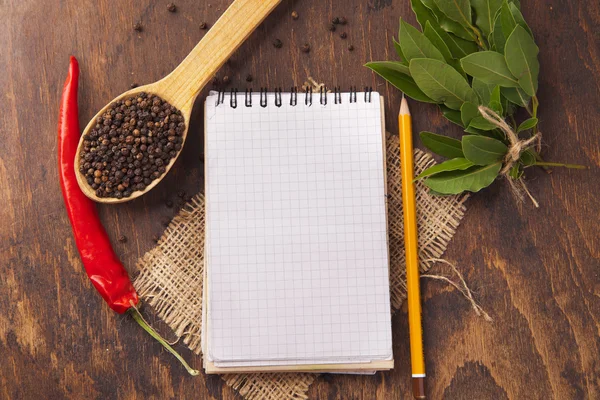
<point>535,271</point>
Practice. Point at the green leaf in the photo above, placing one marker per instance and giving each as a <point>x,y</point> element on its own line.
<point>490,67</point>
<point>437,41</point>
<point>527,124</point>
<point>483,90</point>
<point>527,158</point>
<point>497,36</point>
<point>508,22</point>
<point>485,10</point>
<point>458,47</point>
<point>422,13</point>
<point>468,111</point>
<point>414,44</point>
<point>456,10</point>
<point>516,96</point>
<point>399,52</point>
<point>481,124</point>
<point>521,56</point>
<point>394,73</point>
<point>481,150</point>
<point>442,83</point>
<point>442,145</point>
<point>518,18</point>
<point>454,27</point>
<point>496,101</point>
<point>516,171</point>
<point>472,179</point>
<point>451,115</point>
<point>516,3</point>
<point>450,165</point>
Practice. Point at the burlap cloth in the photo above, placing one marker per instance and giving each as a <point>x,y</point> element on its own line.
<point>170,278</point>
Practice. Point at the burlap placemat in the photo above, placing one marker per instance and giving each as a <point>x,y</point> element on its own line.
<point>170,278</point>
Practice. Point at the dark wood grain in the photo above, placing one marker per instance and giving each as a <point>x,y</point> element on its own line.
<point>536,271</point>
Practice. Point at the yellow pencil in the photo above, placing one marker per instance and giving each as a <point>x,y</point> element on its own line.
<point>411,246</point>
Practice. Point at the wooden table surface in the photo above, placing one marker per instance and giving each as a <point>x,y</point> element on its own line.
<point>536,272</point>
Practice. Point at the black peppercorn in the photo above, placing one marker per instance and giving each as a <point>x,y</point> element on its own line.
<point>122,238</point>
<point>335,21</point>
<point>294,15</point>
<point>138,27</point>
<point>248,78</point>
<point>133,85</point>
<point>331,27</point>
<point>343,35</point>
<point>169,203</point>
<point>171,7</point>
<point>181,193</point>
<point>203,25</point>
<point>343,21</point>
<point>305,48</point>
<point>277,43</point>
<point>350,47</point>
<point>226,79</point>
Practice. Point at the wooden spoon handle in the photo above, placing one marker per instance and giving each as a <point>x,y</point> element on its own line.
<point>241,18</point>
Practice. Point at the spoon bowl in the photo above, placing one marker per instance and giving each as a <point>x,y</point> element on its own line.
<point>181,87</point>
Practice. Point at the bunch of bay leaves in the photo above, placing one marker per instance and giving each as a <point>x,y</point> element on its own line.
<point>468,54</point>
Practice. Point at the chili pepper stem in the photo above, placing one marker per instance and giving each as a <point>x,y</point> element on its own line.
<point>137,316</point>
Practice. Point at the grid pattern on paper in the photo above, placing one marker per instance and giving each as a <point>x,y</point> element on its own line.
<point>296,235</point>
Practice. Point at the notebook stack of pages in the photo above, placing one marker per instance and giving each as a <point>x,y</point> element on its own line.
<point>296,255</point>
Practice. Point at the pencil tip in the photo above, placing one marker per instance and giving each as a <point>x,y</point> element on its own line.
<point>404,110</point>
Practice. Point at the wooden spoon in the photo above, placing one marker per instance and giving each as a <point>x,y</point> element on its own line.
<point>181,86</point>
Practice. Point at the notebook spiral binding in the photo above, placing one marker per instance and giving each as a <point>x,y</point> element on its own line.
<point>308,96</point>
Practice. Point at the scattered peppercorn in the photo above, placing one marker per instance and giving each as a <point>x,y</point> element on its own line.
<point>226,79</point>
<point>155,238</point>
<point>336,20</point>
<point>131,145</point>
<point>133,85</point>
<point>294,15</point>
<point>203,25</point>
<point>181,194</point>
<point>138,27</point>
<point>305,48</point>
<point>350,48</point>
<point>343,35</point>
<point>249,78</point>
<point>169,203</point>
<point>331,27</point>
<point>343,21</point>
<point>122,238</point>
<point>171,7</point>
<point>215,81</point>
<point>277,43</point>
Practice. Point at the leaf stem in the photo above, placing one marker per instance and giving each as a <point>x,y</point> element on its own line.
<point>534,105</point>
<point>554,164</point>
<point>480,40</point>
<point>135,313</point>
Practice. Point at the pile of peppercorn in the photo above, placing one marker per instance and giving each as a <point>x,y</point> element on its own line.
<point>131,145</point>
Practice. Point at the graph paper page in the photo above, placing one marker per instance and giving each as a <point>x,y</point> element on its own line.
<point>296,234</point>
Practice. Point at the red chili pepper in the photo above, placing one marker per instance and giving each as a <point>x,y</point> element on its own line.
<point>102,265</point>
<point>100,261</point>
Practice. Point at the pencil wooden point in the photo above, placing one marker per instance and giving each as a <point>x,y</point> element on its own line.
<point>404,110</point>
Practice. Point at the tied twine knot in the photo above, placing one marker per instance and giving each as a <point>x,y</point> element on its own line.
<point>517,147</point>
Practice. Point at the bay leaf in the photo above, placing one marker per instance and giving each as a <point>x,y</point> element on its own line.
<point>497,36</point>
<point>495,102</point>
<point>489,67</point>
<point>458,47</point>
<point>527,124</point>
<point>468,111</point>
<point>415,44</point>
<point>527,158</point>
<point>485,11</point>
<point>396,73</point>
<point>507,20</point>
<point>472,179</point>
<point>422,13</point>
<point>454,27</point>
<point>481,124</point>
<point>518,18</point>
<point>442,145</point>
<point>399,52</point>
<point>451,115</point>
<point>437,41</point>
<point>521,57</point>
<point>481,150</point>
<point>483,90</point>
<point>449,165</point>
<point>442,83</point>
<point>456,10</point>
<point>516,96</point>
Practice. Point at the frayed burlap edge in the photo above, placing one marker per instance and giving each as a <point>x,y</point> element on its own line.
<point>171,274</point>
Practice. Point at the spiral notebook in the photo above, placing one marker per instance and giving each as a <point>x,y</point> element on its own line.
<point>296,253</point>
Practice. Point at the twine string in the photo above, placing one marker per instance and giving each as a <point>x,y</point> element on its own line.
<point>517,147</point>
